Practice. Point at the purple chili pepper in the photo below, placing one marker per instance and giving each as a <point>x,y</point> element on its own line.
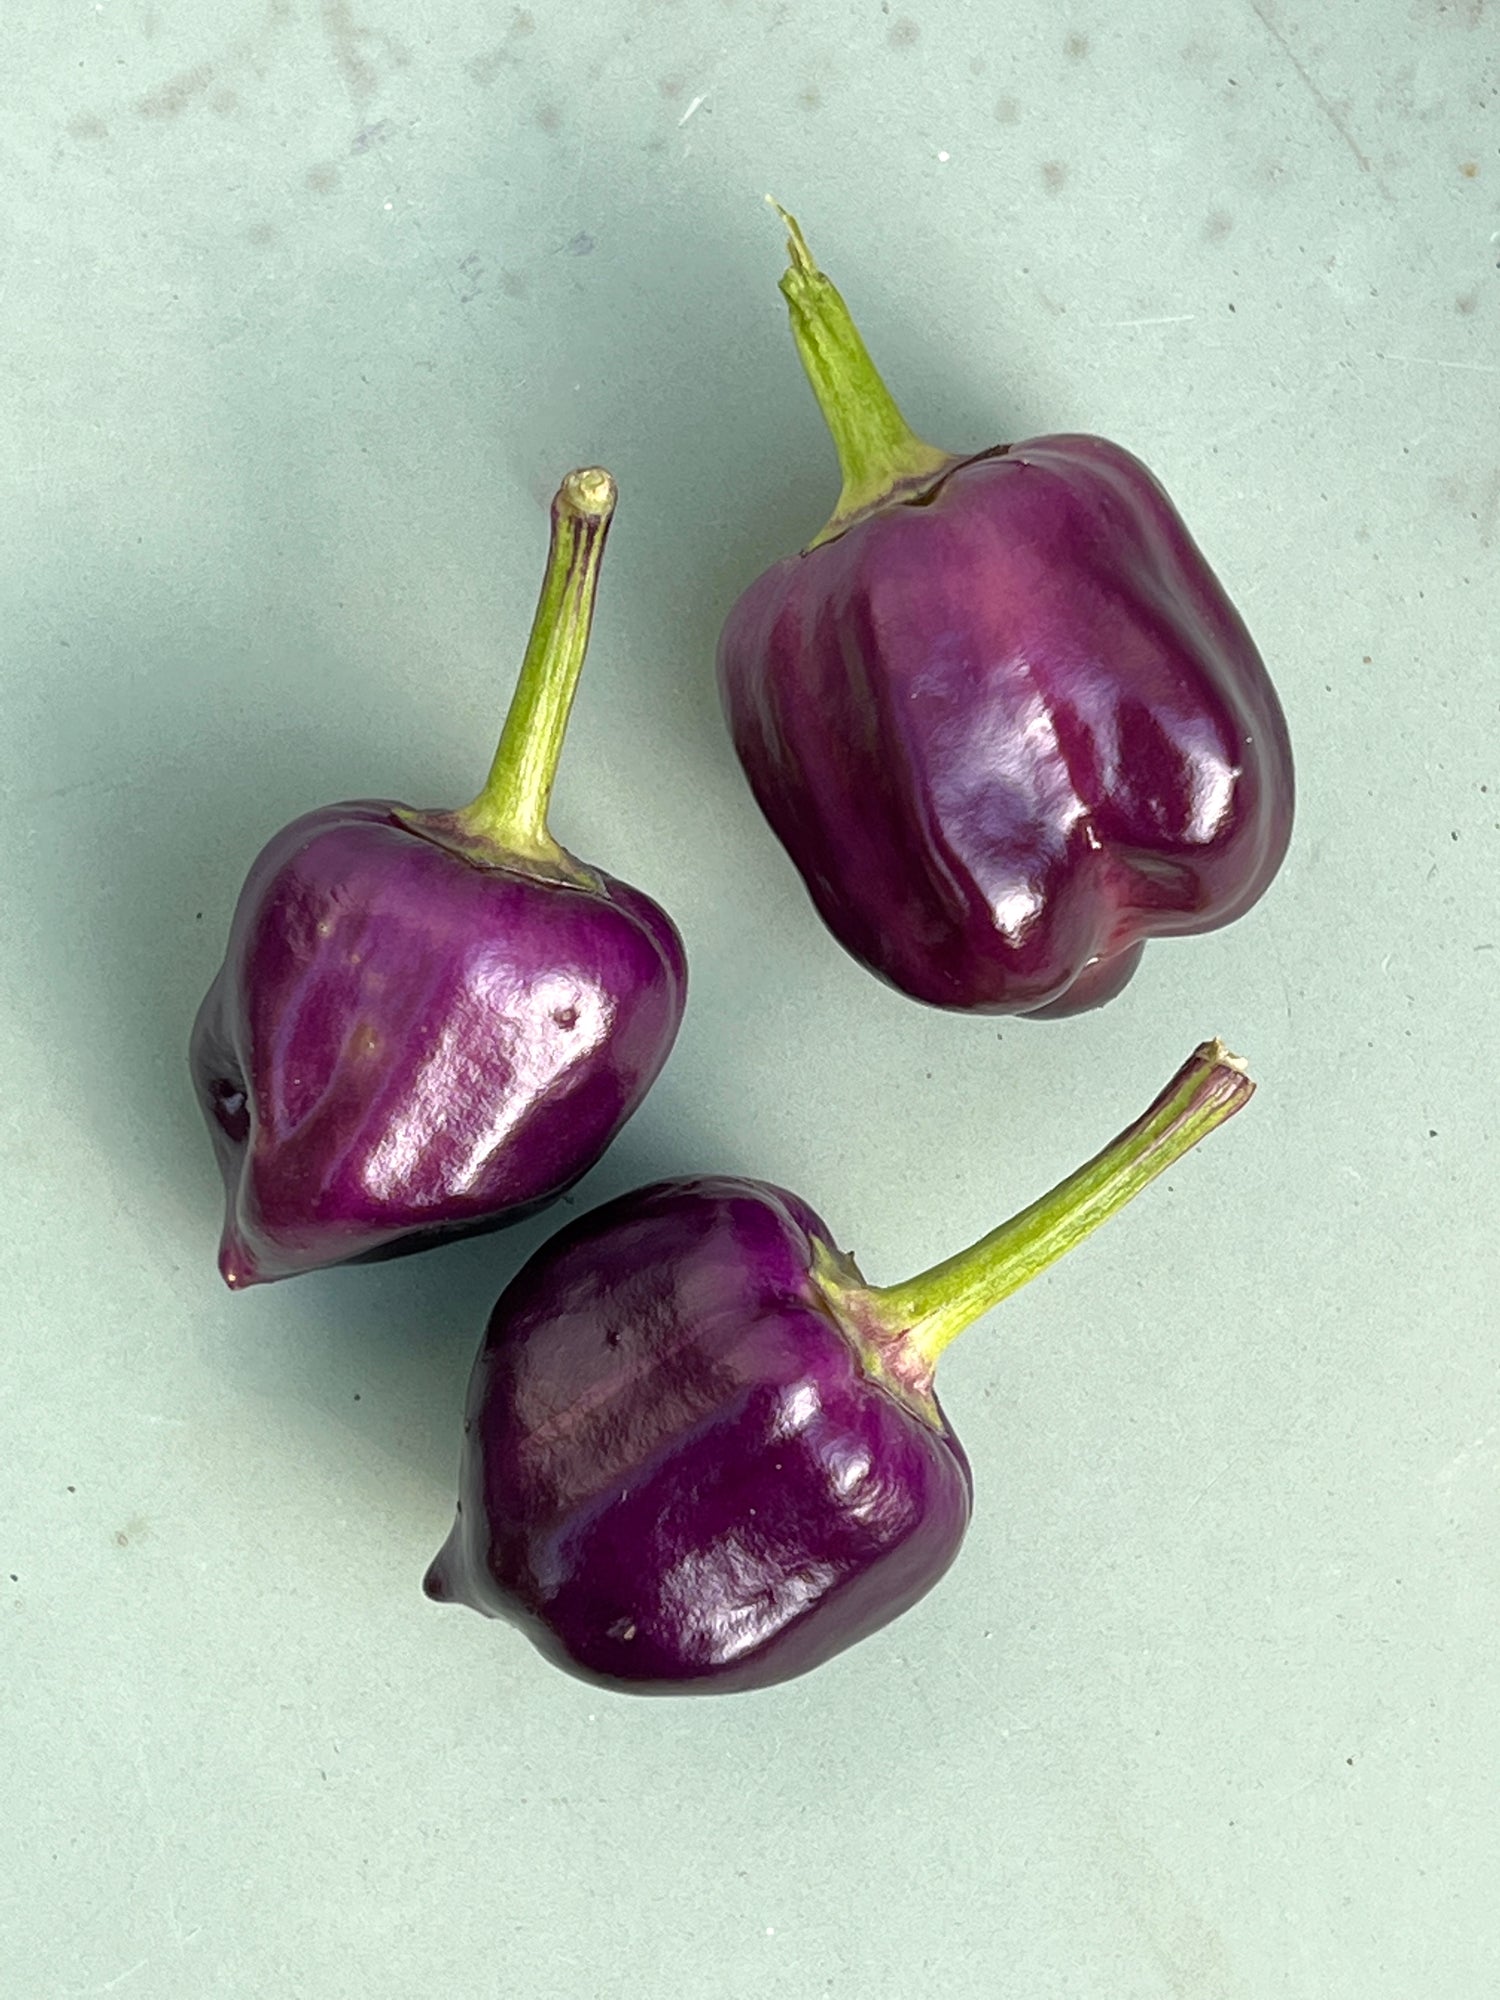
<point>1000,712</point>
<point>427,1023</point>
<point>702,1454</point>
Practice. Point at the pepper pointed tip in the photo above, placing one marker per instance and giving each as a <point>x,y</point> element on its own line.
<point>236,1266</point>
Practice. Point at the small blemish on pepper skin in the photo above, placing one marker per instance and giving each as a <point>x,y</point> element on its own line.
<point>1076,47</point>
<point>903,34</point>
<point>1054,176</point>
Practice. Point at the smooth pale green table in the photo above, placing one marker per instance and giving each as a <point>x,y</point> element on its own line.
<point>306,308</point>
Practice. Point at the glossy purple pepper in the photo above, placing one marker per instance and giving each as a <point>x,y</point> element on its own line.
<point>701,1454</point>
<point>1000,712</point>
<point>430,1022</point>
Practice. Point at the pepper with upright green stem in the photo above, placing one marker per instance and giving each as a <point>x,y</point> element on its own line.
<point>428,1023</point>
<point>702,1454</point>
<point>881,459</point>
<point>999,711</point>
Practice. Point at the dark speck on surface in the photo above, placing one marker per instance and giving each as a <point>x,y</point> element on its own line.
<point>372,135</point>
<point>1054,176</point>
<point>1076,47</point>
<point>1470,170</point>
<point>904,33</point>
<point>811,98</point>
<point>549,117</point>
<point>323,178</point>
<point>1218,225</point>
<point>1467,303</point>
<point>87,127</point>
<point>1007,111</point>
<point>580,245</point>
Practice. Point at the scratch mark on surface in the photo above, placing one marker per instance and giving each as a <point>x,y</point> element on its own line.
<point>1168,319</point>
<point>1285,1798</point>
<point>1203,1491</point>
<point>1325,104</point>
<point>1447,1474</point>
<point>55,792</point>
<point>697,104</point>
<point>121,1977</point>
<point>1427,361</point>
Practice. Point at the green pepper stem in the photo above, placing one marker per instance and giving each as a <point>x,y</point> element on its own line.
<point>511,811</point>
<point>880,455</point>
<point>929,1311</point>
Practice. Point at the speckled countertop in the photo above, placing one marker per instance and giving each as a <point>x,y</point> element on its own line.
<point>307,307</point>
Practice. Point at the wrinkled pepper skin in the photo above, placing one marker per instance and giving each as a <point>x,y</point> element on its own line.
<point>1011,729</point>
<point>404,1044</point>
<point>680,1472</point>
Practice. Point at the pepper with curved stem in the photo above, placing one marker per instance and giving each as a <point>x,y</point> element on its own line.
<point>702,1454</point>
<point>999,711</point>
<point>428,1023</point>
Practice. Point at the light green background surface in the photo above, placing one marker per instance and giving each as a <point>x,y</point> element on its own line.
<point>306,307</point>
